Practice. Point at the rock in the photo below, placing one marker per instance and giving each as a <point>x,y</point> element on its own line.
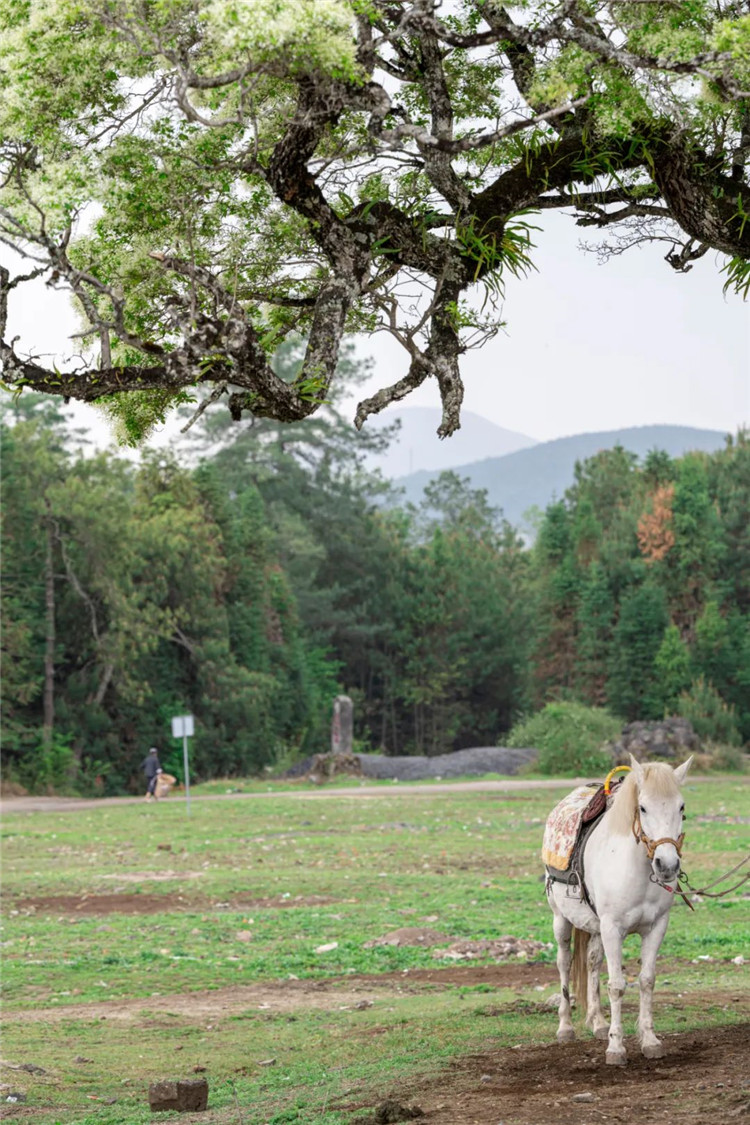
<point>409,936</point>
<point>390,1112</point>
<point>186,1096</point>
<point>585,1097</point>
<point>500,949</point>
<point>13,1097</point>
<point>82,1059</point>
<point>459,763</point>
<point>667,738</point>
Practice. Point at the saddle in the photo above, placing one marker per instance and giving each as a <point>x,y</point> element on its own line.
<point>568,827</point>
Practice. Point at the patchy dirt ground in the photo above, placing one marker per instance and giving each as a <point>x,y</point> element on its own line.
<point>99,905</point>
<point>702,1080</point>
<point>334,993</point>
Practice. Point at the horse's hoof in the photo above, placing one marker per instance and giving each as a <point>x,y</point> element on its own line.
<point>601,1033</point>
<point>566,1036</point>
<point>653,1051</point>
<point>616,1058</point>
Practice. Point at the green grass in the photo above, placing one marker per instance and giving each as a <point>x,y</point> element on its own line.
<point>298,874</point>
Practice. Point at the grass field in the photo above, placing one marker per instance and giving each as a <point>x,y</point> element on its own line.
<point>150,944</point>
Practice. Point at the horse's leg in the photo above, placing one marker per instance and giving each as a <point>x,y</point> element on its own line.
<point>595,1017</point>
<point>612,939</point>
<point>563,930</point>
<point>650,942</point>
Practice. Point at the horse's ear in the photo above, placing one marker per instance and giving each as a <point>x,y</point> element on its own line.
<point>637,769</point>
<point>681,772</point>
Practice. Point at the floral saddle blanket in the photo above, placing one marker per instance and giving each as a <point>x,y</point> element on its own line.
<point>563,828</point>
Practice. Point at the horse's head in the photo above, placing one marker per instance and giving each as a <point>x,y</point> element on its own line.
<point>658,814</point>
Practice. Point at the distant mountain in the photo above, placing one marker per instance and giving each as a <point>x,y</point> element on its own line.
<point>538,475</point>
<point>418,447</point>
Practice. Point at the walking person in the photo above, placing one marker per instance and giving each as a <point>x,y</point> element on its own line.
<point>151,766</point>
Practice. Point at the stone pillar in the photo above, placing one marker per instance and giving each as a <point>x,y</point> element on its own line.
<point>342,725</point>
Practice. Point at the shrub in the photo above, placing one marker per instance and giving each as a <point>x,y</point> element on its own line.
<point>711,717</point>
<point>49,769</point>
<point>727,759</point>
<point>570,738</point>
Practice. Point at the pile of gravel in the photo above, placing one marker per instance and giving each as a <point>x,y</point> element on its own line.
<point>462,763</point>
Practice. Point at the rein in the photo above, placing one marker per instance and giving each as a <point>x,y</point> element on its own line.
<point>652,845</point>
<point>703,891</point>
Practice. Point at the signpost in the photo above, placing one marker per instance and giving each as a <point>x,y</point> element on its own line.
<point>183,727</point>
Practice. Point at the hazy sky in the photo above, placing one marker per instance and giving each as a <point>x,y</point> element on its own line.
<point>598,347</point>
<point>587,346</point>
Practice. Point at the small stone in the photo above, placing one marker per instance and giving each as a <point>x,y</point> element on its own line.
<point>82,1059</point>
<point>267,1062</point>
<point>13,1097</point>
<point>391,1111</point>
<point>187,1096</point>
<point>587,1096</point>
<point>486,1078</point>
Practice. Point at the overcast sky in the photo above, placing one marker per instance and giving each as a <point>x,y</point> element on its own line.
<point>598,347</point>
<point>587,346</point>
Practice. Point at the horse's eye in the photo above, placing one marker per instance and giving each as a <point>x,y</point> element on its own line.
<point>641,808</point>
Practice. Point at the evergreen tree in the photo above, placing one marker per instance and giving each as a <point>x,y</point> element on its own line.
<point>633,687</point>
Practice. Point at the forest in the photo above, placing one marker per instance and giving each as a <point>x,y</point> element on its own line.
<point>252,580</point>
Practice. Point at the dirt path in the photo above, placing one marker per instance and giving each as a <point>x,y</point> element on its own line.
<point>510,785</point>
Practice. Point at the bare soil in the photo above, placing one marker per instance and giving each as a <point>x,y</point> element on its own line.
<point>702,1080</point>
<point>99,905</point>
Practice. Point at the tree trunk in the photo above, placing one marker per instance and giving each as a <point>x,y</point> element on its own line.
<point>49,647</point>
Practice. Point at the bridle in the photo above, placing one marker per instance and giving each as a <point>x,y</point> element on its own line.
<point>652,845</point>
<point>640,835</point>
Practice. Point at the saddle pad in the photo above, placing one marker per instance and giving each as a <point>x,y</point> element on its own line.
<point>563,825</point>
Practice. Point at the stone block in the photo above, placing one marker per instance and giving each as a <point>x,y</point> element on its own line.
<point>188,1096</point>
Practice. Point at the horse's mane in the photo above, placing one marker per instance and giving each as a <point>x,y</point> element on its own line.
<point>659,781</point>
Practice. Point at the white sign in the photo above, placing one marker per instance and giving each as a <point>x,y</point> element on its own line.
<point>182,726</point>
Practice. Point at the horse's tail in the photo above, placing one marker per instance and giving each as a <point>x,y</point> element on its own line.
<point>579,970</point>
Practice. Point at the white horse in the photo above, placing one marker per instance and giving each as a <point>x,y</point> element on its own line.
<point>631,862</point>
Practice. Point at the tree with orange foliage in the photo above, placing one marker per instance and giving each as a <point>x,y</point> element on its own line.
<point>655,530</point>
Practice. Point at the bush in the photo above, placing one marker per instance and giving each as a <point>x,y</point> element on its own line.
<point>712,718</point>
<point>727,759</point>
<point>570,738</point>
<point>49,769</point>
